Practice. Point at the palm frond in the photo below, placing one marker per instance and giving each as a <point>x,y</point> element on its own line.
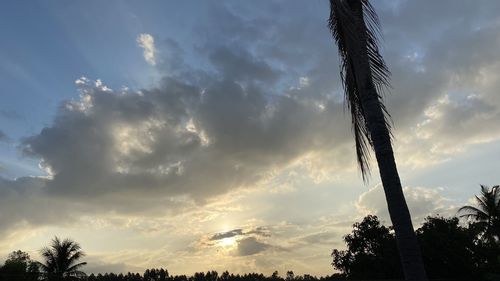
<point>43,267</point>
<point>75,256</point>
<point>497,197</point>
<point>472,212</point>
<point>61,258</point>
<point>354,22</point>
<point>482,202</point>
<point>75,267</point>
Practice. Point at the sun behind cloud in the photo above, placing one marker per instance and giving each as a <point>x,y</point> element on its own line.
<point>228,242</point>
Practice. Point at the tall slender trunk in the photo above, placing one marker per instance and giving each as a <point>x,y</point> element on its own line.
<point>409,250</point>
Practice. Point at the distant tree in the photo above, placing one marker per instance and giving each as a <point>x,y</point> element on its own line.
<point>486,212</point>
<point>308,277</point>
<point>163,274</point>
<point>198,276</point>
<point>61,260</point>
<point>275,275</point>
<point>19,266</point>
<point>371,252</point>
<point>212,275</point>
<point>155,274</point>
<point>225,276</point>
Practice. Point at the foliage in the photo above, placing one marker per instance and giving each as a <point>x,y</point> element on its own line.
<point>19,266</point>
<point>155,274</point>
<point>209,276</point>
<point>61,260</point>
<point>371,252</point>
<point>450,251</point>
<point>486,213</point>
<point>347,34</point>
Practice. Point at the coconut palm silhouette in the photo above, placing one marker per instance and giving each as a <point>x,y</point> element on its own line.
<point>355,27</point>
<point>61,260</point>
<point>486,213</point>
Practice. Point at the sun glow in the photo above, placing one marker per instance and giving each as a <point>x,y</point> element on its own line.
<point>227,242</point>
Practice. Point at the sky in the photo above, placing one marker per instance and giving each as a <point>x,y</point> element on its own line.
<point>200,135</point>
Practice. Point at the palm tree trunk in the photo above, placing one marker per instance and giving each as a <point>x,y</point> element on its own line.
<point>409,249</point>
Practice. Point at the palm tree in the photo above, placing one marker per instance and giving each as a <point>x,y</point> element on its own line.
<point>487,212</point>
<point>61,260</point>
<point>355,27</point>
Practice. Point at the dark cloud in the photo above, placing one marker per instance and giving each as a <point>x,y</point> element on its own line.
<point>250,246</point>
<point>24,201</point>
<point>227,234</point>
<point>260,231</point>
<point>133,152</point>
<point>4,137</point>
<point>242,66</point>
<point>180,138</point>
<point>10,114</point>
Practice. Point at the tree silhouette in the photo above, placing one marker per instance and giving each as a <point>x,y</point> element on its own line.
<point>371,252</point>
<point>450,250</point>
<point>487,212</point>
<point>19,266</point>
<point>355,26</point>
<point>61,260</point>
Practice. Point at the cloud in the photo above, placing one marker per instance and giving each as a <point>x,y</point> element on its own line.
<point>3,137</point>
<point>240,121</point>
<point>261,231</point>
<point>98,265</point>
<point>422,202</point>
<point>239,234</point>
<point>25,203</point>
<point>250,246</point>
<point>454,117</point>
<point>326,238</point>
<point>184,141</point>
<point>166,140</point>
<point>442,87</point>
<point>147,42</point>
<point>227,234</point>
<point>242,66</point>
<point>10,114</point>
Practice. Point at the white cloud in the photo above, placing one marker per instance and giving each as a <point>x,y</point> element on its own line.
<point>422,202</point>
<point>147,43</point>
